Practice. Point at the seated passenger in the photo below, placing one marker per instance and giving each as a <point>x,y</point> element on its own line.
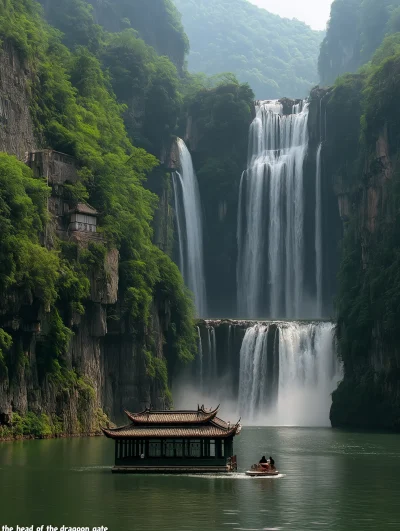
<point>271,462</point>
<point>263,460</point>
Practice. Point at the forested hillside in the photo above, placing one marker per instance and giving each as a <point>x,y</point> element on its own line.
<point>356,29</point>
<point>276,56</point>
<point>157,22</point>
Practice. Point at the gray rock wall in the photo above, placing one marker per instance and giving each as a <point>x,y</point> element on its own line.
<point>16,127</point>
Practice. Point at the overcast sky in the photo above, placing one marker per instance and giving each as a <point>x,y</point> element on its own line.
<point>314,12</point>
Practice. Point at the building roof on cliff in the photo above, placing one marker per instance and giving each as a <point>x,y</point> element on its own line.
<point>174,424</point>
<point>83,208</point>
<point>175,417</point>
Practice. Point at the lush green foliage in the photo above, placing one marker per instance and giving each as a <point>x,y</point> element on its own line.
<point>17,26</point>
<point>25,265</point>
<point>76,111</point>
<point>74,18</point>
<point>157,22</point>
<point>27,425</point>
<point>5,344</point>
<point>42,426</point>
<point>147,84</point>
<point>356,29</point>
<point>277,57</point>
<point>83,22</point>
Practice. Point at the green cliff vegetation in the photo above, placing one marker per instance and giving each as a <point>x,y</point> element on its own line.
<point>221,117</point>
<point>368,301</point>
<point>276,56</point>
<point>83,22</point>
<point>355,31</point>
<point>76,111</point>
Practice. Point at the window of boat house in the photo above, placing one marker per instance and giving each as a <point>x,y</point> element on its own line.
<point>212,448</point>
<point>209,448</point>
<point>138,448</point>
<point>195,448</point>
<point>154,448</point>
<point>173,448</point>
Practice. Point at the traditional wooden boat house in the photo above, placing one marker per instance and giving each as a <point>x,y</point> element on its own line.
<point>174,441</point>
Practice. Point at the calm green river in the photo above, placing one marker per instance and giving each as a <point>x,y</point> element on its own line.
<point>330,480</point>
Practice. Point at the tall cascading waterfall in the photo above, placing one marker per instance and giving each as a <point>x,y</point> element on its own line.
<point>271,216</point>
<point>282,370</point>
<point>189,228</point>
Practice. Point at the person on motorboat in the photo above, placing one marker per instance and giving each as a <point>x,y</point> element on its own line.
<point>271,462</point>
<point>263,464</point>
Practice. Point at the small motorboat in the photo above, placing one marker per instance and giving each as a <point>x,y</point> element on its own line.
<point>260,471</point>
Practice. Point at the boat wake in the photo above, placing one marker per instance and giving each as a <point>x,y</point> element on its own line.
<point>235,475</point>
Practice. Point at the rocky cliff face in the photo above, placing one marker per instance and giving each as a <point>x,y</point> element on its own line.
<point>106,361</point>
<point>16,128</point>
<point>361,160</point>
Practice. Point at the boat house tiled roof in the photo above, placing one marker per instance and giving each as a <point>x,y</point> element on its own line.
<point>182,432</point>
<point>174,424</point>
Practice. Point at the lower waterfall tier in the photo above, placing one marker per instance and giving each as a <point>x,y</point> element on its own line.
<point>267,373</point>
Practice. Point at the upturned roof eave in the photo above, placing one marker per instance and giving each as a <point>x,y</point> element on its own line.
<point>143,417</point>
<point>188,435</point>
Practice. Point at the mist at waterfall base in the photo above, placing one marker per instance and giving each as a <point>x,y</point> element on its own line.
<point>266,373</point>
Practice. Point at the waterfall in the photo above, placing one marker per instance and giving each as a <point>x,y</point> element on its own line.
<point>211,361</point>
<point>308,372</point>
<point>200,347</point>
<point>318,232</point>
<point>189,228</point>
<point>280,373</point>
<point>253,362</point>
<point>271,214</point>
<point>213,351</point>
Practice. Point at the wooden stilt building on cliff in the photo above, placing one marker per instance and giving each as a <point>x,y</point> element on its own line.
<point>174,442</point>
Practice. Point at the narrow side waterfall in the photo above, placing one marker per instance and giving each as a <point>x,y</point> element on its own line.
<point>271,215</point>
<point>318,231</point>
<point>268,373</point>
<point>189,228</point>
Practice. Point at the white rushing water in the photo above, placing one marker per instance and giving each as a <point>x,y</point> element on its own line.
<point>282,373</point>
<point>318,232</point>
<point>271,214</point>
<point>303,360</point>
<point>189,225</point>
